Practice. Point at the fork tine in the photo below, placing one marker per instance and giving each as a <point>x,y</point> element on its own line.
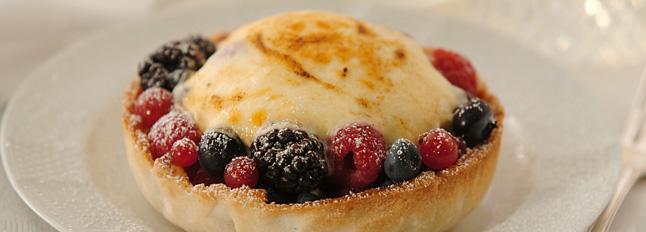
<point>635,125</point>
<point>640,135</point>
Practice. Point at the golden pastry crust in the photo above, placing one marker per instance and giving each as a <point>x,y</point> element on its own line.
<point>433,201</point>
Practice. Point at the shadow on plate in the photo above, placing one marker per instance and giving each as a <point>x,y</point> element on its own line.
<point>512,182</point>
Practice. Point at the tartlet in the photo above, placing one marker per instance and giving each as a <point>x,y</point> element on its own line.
<point>434,200</point>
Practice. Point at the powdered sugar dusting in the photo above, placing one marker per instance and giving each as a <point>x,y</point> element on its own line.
<point>241,171</point>
<point>274,125</point>
<point>179,92</point>
<point>360,140</point>
<point>170,128</point>
<point>249,196</point>
<point>244,165</point>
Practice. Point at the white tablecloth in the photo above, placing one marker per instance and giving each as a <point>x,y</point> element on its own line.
<point>31,31</point>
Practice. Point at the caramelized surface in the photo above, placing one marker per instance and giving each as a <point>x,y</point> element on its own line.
<point>322,71</point>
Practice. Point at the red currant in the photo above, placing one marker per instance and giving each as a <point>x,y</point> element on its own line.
<point>439,149</point>
<point>184,152</point>
<point>152,104</point>
<point>241,171</point>
<point>170,128</point>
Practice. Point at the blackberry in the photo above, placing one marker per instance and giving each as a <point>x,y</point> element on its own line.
<point>308,196</point>
<point>277,197</point>
<point>206,46</point>
<point>152,74</point>
<point>291,160</point>
<point>179,55</point>
<point>178,76</point>
<point>167,66</point>
<point>155,75</point>
<point>217,148</point>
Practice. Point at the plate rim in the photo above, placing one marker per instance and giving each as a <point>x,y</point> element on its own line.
<point>71,48</point>
<point>9,108</point>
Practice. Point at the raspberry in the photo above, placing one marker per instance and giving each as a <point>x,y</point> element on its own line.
<point>456,69</point>
<point>170,128</point>
<point>184,153</point>
<point>241,171</point>
<point>357,153</point>
<point>292,160</point>
<point>152,104</point>
<point>438,149</point>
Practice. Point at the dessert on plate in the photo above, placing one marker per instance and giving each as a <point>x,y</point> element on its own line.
<point>310,121</point>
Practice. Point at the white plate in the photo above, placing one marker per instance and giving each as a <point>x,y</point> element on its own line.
<point>63,152</point>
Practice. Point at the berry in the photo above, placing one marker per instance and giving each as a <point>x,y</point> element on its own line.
<point>179,54</point>
<point>277,197</point>
<point>357,153</point>
<point>153,74</point>
<point>179,76</point>
<point>438,149</point>
<point>241,171</point>
<point>206,46</point>
<point>473,121</point>
<point>386,183</point>
<point>292,160</point>
<point>192,170</point>
<point>184,153</point>
<point>165,67</point>
<point>170,128</point>
<point>383,180</point>
<point>402,161</point>
<point>202,177</point>
<point>152,104</point>
<point>456,69</point>
<point>307,196</point>
<point>217,148</point>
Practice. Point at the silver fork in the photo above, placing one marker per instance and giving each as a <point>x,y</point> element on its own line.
<point>634,157</point>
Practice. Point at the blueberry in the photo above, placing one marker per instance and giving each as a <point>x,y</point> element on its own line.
<point>402,161</point>
<point>382,181</point>
<point>473,121</point>
<point>217,148</point>
<point>386,183</point>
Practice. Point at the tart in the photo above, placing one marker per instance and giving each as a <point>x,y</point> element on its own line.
<point>310,121</point>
